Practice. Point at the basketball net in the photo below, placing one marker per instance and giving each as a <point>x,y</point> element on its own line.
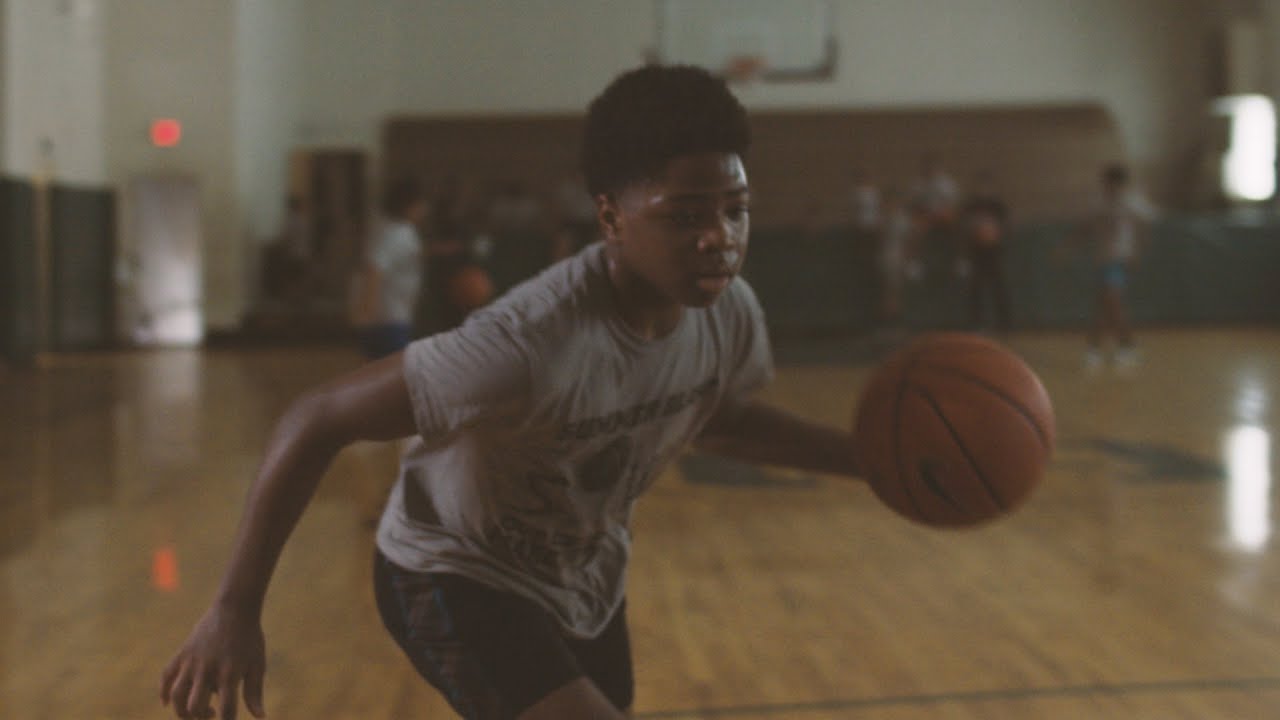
<point>743,69</point>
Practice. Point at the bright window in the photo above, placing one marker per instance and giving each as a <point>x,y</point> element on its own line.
<point>1249,164</point>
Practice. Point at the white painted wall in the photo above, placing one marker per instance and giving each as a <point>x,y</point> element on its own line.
<point>1145,59</point>
<point>366,61</point>
<point>230,72</point>
<point>173,59</point>
<point>1271,47</point>
<point>53,90</point>
<point>267,93</point>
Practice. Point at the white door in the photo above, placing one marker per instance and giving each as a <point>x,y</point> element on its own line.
<point>161,270</point>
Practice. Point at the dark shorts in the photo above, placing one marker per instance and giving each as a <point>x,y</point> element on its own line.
<point>1114,275</point>
<point>494,654</point>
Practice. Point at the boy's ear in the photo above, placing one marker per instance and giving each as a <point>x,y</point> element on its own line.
<point>608,214</point>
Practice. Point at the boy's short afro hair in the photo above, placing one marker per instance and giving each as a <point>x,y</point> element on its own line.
<point>649,115</point>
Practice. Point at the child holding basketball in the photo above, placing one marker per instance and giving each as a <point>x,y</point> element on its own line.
<point>502,552</point>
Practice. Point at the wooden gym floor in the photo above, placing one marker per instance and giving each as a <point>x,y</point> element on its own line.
<point>1141,581</point>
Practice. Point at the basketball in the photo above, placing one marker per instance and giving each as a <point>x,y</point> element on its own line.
<point>470,288</point>
<point>986,231</point>
<point>953,430</point>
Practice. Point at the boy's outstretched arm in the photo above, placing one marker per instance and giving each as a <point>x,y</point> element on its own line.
<point>761,433</point>
<point>226,647</point>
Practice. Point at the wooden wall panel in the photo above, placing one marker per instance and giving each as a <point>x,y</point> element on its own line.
<point>1045,159</point>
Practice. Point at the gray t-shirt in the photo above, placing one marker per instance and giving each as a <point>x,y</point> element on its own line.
<point>1117,223</point>
<point>542,419</point>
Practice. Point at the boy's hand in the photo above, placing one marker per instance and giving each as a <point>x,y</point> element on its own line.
<point>222,651</point>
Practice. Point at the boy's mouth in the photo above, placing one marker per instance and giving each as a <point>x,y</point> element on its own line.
<point>715,282</point>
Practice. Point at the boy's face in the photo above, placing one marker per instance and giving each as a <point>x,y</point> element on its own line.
<point>682,234</point>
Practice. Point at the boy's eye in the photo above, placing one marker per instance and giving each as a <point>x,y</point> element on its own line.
<point>691,218</point>
<point>684,218</point>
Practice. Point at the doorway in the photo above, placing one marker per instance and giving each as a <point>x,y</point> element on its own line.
<point>160,270</point>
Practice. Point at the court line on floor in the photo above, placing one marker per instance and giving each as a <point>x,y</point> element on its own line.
<point>1065,691</point>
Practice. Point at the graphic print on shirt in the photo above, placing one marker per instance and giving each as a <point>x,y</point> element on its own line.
<point>556,520</point>
<point>603,469</point>
<point>519,413</point>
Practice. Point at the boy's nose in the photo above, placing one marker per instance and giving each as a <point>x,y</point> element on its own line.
<point>717,236</point>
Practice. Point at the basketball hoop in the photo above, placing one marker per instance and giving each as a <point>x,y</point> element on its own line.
<point>743,69</point>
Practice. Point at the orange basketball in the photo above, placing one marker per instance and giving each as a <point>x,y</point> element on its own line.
<point>470,288</point>
<point>986,231</point>
<point>953,430</point>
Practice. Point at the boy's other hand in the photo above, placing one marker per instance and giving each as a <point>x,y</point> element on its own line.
<point>223,651</point>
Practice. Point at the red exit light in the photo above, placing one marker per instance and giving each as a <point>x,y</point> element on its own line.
<point>164,569</point>
<point>165,132</point>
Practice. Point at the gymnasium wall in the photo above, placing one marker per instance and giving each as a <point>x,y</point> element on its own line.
<point>53,90</point>
<point>80,256</point>
<point>82,259</point>
<point>253,80</point>
<point>1195,271</point>
<point>1044,160</point>
<point>18,284</point>
<point>268,98</point>
<point>167,59</point>
<point>231,72</point>
<point>1145,60</point>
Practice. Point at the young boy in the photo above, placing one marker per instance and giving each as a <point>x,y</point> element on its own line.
<point>1118,231</point>
<point>392,273</point>
<point>984,228</point>
<point>503,549</point>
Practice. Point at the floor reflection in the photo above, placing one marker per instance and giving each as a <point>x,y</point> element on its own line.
<point>58,448</point>
<point>83,426</point>
<point>1248,497</point>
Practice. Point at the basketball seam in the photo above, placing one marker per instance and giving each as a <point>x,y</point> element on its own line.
<point>955,436</point>
<point>1041,435</point>
<point>903,385</point>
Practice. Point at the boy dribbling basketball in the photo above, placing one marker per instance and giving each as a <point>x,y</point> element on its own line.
<point>502,552</point>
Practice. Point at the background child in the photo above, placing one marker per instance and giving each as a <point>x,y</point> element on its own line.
<point>391,278</point>
<point>1117,231</point>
